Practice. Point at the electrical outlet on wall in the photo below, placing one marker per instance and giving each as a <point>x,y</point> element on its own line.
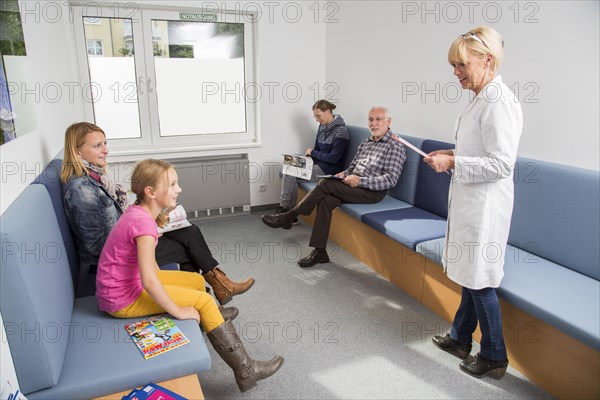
<point>262,188</point>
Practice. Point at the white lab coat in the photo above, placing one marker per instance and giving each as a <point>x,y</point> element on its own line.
<point>480,201</point>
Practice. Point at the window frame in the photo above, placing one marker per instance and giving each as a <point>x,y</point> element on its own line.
<point>95,47</point>
<point>142,27</point>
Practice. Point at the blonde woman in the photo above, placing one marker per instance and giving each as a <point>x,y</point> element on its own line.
<point>93,204</point>
<point>481,198</point>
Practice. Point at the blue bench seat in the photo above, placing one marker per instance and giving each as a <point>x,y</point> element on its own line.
<point>101,356</point>
<point>62,347</point>
<point>545,290</point>
<point>408,226</point>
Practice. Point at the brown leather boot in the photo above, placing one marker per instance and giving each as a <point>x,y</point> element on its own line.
<point>247,371</point>
<point>224,288</point>
<point>229,312</point>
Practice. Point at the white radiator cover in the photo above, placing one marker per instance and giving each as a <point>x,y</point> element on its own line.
<point>214,187</point>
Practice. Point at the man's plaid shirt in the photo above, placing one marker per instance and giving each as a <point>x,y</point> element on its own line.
<point>378,164</point>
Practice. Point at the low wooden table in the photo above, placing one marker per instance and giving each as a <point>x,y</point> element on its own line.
<point>186,386</point>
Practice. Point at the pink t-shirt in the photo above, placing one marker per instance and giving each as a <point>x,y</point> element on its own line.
<point>118,281</point>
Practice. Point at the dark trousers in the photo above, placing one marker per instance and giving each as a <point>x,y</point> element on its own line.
<point>480,305</point>
<point>186,247</point>
<point>326,196</point>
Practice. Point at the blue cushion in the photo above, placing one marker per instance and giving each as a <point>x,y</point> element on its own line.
<point>545,290</point>
<point>50,178</point>
<point>358,210</point>
<point>101,359</point>
<point>307,186</point>
<point>406,188</point>
<point>36,289</point>
<point>566,299</point>
<point>408,226</point>
<point>432,249</point>
<point>432,187</point>
<point>357,136</point>
<point>557,214</point>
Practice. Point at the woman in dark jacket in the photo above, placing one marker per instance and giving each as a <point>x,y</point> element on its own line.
<point>328,154</point>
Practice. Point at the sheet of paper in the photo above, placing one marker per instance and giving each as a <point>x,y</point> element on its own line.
<point>418,150</point>
<point>407,144</point>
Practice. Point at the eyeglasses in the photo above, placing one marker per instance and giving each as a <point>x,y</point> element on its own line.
<point>471,35</point>
<point>377,119</point>
<point>318,115</point>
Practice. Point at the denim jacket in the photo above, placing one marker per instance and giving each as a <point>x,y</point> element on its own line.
<point>91,213</point>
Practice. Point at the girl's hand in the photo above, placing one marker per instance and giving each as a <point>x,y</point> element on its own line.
<point>188,313</point>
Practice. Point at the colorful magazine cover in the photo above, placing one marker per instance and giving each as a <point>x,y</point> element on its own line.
<point>156,335</point>
<point>152,391</point>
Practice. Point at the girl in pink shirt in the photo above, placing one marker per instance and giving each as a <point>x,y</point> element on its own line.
<point>130,284</point>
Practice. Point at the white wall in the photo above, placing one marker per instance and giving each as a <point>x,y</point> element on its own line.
<point>395,53</point>
<point>52,72</point>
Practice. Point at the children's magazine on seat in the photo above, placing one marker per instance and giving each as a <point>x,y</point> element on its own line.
<point>156,335</point>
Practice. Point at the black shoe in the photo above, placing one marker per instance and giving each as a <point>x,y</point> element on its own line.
<point>452,346</point>
<point>294,222</point>
<point>315,256</point>
<point>281,210</point>
<point>284,220</point>
<point>478,367</point>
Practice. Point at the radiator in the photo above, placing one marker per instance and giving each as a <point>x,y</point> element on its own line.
<point>214,187</point>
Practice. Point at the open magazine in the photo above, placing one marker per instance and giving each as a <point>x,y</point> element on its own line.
<point>177,220</point>
<point>298,166</point>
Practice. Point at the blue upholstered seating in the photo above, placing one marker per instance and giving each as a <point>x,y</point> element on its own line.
<point>426,220</point>
<point>552,264</point>
<point>64,347</point>
<point>50,178</point>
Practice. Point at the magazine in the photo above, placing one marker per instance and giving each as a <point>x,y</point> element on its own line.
<point>155,335</point>
<point>298,166</point>
<point>334,177</point>
<point>177,220</point>
<point>152,391</point>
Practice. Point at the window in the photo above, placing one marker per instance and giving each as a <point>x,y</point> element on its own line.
<point>94,48</point>
<point>174,79</point>
<point>17,112</point>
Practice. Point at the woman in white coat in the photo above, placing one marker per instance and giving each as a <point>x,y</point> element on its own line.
<point>481,199</point>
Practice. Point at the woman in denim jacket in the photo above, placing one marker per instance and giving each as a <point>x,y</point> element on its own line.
<point>93,204</point>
